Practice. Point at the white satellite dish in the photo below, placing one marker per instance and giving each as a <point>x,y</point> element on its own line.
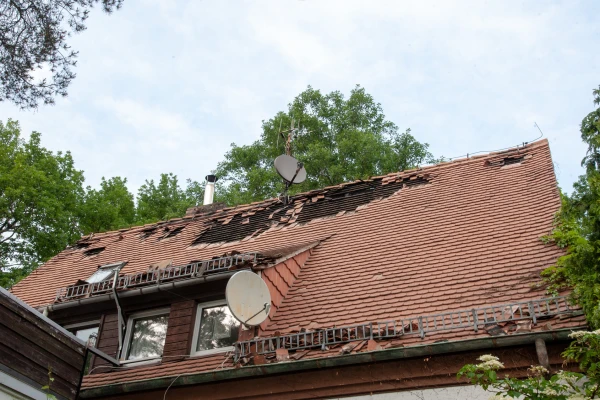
<point>290,169</point>
<point>248,298</point>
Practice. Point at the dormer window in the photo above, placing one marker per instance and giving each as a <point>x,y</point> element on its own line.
<point>104,272</point>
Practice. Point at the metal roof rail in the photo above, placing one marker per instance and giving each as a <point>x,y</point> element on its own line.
<point>474,318</point>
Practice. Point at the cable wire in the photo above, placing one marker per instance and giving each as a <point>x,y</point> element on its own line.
<point>505,148</point>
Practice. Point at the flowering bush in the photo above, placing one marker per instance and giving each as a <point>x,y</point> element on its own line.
<point>541,384</point>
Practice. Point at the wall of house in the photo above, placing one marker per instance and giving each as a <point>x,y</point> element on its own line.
<point>432,377</point>
<point>179,331</point>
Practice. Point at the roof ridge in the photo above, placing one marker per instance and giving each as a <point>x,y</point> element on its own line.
<point>240,207</point>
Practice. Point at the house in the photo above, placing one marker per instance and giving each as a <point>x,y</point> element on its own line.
<point>380,287</point>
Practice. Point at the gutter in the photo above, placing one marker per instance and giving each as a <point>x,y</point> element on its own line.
<point>330,362</point>
<point>138,292</point>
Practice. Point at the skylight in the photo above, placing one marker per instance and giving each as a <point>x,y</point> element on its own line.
<point>104,273</point>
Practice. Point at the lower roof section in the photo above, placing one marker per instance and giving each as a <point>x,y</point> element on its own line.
<point>433,364</point>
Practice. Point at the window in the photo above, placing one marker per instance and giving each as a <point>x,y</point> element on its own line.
<point>88,335</point>
<point>146,333</point>
<point>216,329</point>
<point>104,273</point>
<point>88,332</point>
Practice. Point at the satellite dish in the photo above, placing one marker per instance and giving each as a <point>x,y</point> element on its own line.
<point>248,298</point>
<point>290,169</point>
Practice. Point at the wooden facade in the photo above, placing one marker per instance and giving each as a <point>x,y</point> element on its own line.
<point>37,352</point>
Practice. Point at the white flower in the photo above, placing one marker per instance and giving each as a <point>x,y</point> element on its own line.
<point>578,334</point>
<point>567,377</point>
<point>488,357</point>
<point>550,392</point>
<point>538,370</point>
<point>491,365</point>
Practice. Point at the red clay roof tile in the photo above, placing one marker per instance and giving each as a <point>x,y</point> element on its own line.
<point>467,235</point>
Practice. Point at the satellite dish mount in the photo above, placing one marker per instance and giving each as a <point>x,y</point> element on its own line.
<point>291,170</point>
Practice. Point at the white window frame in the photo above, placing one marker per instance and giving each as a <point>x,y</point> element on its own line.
<point>114,268</point>
<point>129,332</point>
<point>197,323</point>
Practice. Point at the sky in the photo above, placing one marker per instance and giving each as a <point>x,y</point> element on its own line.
<point>167,86</point>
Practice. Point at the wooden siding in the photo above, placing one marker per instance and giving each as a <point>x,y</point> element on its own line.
<point>32,346</point>
<point>179,331</point>
<point>279,280</point>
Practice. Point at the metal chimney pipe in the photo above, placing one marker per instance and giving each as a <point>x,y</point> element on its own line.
<point>209,189</point>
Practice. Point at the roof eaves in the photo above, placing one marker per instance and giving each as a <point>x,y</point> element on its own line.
<point>158,383</point>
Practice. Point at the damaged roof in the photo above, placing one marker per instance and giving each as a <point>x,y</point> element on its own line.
<point>453,236</point>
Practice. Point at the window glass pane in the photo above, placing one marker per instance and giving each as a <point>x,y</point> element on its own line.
<point>148,337</point>
<point>101,275</point>
<point>218,328</point>
<point>86,334</point>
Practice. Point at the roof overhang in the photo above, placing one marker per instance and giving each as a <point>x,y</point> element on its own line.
<point>486,343</point>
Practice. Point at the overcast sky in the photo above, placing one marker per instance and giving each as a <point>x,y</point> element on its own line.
<point>166,86</point>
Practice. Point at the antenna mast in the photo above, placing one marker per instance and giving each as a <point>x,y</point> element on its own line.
<point>291,170</point>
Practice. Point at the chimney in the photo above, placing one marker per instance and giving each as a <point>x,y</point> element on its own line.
<point>209,189</point>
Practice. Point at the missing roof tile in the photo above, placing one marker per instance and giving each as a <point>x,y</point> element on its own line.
<point>303,208</point>
<point>500,162</point>
<point>93,252</point>
<point>513,160</point>
<point>81,245</point>
<point>146,233</point>
<point>172,232</point>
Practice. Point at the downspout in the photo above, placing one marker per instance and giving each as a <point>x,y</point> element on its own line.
<point>120,316</point>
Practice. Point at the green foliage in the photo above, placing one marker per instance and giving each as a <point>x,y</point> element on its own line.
<point>590,133</point>
<point>39,195</point>
<point>34,34</point>
<point>44,208</point>
<point>341,139</point>
<point>165,199</point>
<point>540,384</point>
<point>46,388</point>
<point>111,207</point>
<point>577,228</point>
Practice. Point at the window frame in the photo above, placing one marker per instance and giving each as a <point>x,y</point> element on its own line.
<point>155,312</point>
<point>198,321</point>
<point>74,328</point>
<point>113,267</point>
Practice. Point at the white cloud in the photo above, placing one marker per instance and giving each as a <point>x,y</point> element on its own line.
<point>166,86</point>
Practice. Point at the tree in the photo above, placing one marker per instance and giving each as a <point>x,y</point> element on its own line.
<point>339,140</point>
<point>39,195</point>
<point>33,36</point>
<point>109,208</point>
<point>157,202</point>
